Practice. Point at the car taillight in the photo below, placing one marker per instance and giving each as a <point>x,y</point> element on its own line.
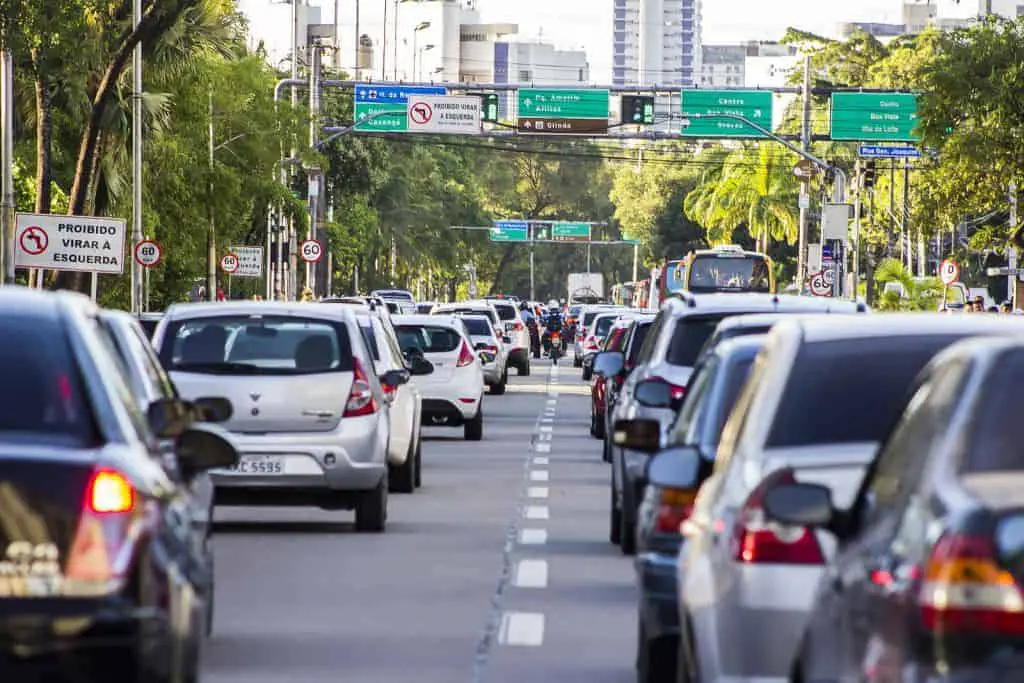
<point>491,349</point>
<point>361,400</point>
<point>758,540</point>
<point>592,343</point>
<point>677,391</point>
<point>518,327</point>
<point>965,589</point>
<point>97,563</point>
<point>466,356</point>
<point>110,492</point>
<point>389,390</point>
<point>676,507</point>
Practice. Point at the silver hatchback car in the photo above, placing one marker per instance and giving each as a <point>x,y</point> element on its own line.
<point>310,415</point>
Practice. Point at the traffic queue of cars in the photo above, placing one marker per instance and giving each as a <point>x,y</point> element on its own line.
<point>118,435</point>
<point>815,494</point>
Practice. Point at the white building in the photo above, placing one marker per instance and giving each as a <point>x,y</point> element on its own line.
<point>656,42</point>
<point>722,65</point>
<point>270,24</point>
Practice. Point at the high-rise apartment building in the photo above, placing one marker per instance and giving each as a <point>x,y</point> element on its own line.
<point>656,42</point>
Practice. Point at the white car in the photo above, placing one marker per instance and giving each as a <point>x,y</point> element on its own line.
<point>453,394</point>
<point>404,466</point>
<point>403,300</point>
<point>514,328</point>
<point>486,338</point>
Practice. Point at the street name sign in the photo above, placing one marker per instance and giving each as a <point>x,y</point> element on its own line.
<point>510,231</point>
<point>91,245</point>
<point>392,100</point>
<point>562,112</point>
<point>250,261</point>
<point>874,117</point>
<point>458,115</point>
<point>755,105</point>
<point>888,152</point>
<point>570,232</point>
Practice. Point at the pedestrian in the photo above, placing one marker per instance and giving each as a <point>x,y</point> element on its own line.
<point>1006,308</point>
<point>307,294</point>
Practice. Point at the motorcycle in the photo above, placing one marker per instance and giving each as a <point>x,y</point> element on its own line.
<point>556,347</point>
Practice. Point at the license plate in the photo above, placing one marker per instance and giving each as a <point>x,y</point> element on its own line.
<point>264,464</point>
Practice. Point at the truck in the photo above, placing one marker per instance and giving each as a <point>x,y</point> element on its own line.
<point>586,287</point>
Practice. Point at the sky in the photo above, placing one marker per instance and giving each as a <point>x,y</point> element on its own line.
<point>586,24</point>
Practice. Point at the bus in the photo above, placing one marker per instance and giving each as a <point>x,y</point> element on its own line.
<point>622,294</point>
<point>726,268</point>
<point>642,295</point>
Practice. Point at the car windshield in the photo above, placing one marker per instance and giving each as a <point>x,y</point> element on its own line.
<point>393,294</point>
<point>428,338</point>
<point>603,324</point>
<point>689,337</point>
<point>718,272</point>
<point>478,327</point>
<point>43,397</point>
<point>850,391</point>
<point>491,315</point>
<point>256,345</point>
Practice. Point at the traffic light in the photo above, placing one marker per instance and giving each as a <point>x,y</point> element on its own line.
<point>869,174</point>
<point>638,109</point>
<point>489,103</point>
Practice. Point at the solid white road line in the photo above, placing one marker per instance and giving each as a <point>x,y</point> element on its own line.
<point>541,460</point>
<point>532,574</point>
<point>537,512</point>
<point>542,447</point>
<point>539,475</point>
<point>533,536</point>
<point>523,629</point>
<point>537,492</point>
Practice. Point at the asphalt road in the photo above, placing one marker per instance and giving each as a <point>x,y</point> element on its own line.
<point>497,570</point>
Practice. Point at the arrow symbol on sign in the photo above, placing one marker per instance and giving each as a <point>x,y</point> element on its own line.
<point>527,101</point>
<point>757,113</point>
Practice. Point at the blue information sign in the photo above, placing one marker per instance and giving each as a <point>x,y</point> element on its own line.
<point>889,152</point>
<point>510,231</point>
<point>394,94</point>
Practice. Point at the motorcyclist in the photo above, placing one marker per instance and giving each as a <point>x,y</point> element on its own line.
<point>553,322</point>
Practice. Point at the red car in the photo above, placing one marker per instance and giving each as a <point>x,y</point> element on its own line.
<point>613,342</point>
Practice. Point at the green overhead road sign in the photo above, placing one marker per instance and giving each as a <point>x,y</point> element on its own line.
<point>755,105</point>
<point>874,117</point>
<point>562,111</point>
<point>392,100</point>
<point>510,231</point>
<point>570,232</point>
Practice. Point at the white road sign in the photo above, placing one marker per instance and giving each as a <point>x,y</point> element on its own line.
<point>93,245</point>
<point>148,253</point>
<point>229,263</point>
<point>949,272</point>
<point>250,261</point>
<point>444,114</point>
<point>311,251</point>
<point>818,285</point>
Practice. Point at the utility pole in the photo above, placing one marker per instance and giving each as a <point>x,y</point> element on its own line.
<point>1011,251</point>
<point>313,173</point>
<point>805,195</point>
<point>356,47</point>
<point>858,185</point>
<point>636,262</point>
<point>394,47</point>
<point>533,286</point>
<point>892,203</point>
<point>136,269</point>
<point>7,166</point>
<point>211,232</point>
<point>384,46</point>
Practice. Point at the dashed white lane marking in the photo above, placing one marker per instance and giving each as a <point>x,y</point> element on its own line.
<point>539,475</point>
<point>532,574</point>
<point>523,629</point>
<point>533,536</point>
<point>543,447</point>
<point>552,401</point>
<point>537,492</point>
<point>542,460</point>
<point>544,436</point>
<point>537,512</point>
<point>546,428</point>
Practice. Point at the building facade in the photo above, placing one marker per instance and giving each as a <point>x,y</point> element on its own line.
<point>656,42</point>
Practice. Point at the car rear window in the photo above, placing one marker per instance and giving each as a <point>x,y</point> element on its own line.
<point>997,431</point>
<point>393,294</point>
<point>506,312</point>
<point>371,339</point>
<point>478,327</point>
<point>850,391</point>
<point>428,338</point>
<point>43,397</point>
<point>471,311</point>
<point>603,325</point>
<point>424,309</point>
<point>637,342</point>
<point>689,336</point>
<point>256,345</point>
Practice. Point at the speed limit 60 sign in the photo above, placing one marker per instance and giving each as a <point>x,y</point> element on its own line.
<point>148,253</point>
<point>229,263</point>
<point>311,251</point>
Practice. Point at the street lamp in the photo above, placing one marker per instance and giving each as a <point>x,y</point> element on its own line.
<point>419,76</point>
<point>422,26</point>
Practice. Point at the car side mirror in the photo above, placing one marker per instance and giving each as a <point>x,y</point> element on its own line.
<point>608,364</point>
<point>395,378</point>
<point>801,504</point>
<point>168,417</point>
<point>675,468</point>
<point>419,366</point>
<point>653,394</point>
<point>213,409</point>
<point>204,447</point>
<point>480,346</point>
<point>637,435</point>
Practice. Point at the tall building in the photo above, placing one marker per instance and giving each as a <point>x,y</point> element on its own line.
<point>722,65</point>
<point>656,42</point>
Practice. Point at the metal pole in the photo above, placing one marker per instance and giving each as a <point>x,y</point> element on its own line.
<point>355,64</point>
<point>146,290</point>
<point>1011,252</point>
<point>805,144</point>
<point>384,46</point>
<point>211,233</point>
<point>136,269</point>
<point>588,259</point>
<point>856,236</point>
<point>394,75</point>
<point>313,174</point>
<point>533,284</point>
<point>636,262</point>
<point>94,286</point>
<point>7,167</point>
<point>892,203</point>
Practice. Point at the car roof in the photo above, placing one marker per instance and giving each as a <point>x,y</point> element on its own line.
<point>450,320</point>
<point>733,345</point>
<point>211,309</point>
<point>822,329</point>
<point>761,319</point>
<point>39,303</point>
<point>687,303</point>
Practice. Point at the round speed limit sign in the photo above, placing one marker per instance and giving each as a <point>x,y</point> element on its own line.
<point>949,272</point>
<point>148,253</point>
<point>829,274</point>
<point>229,263</point>
<point>311,251</point>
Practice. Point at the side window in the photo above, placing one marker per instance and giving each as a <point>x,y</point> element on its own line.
<point>647,350</point>
<point>684,429</point>
<point>158,379</point>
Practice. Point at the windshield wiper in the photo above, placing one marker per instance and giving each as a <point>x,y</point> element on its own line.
<point>217,367</point>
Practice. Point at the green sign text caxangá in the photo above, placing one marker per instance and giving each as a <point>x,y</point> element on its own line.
<point>390,123</point>
<point>754,105</point>
<point>874,117</point>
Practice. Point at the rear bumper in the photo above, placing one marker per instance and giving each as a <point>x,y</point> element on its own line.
<point>439,412</point>
<point>656,579</point>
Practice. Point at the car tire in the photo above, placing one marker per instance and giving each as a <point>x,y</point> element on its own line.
<point>372,509</point>
<point>524,369</point>
<point>474,428</point>
<point>655,658</point>
<point>499,388</point>
<point>402,478</point>
<point>614,520</point>
<point>577,362</point>
<point>627,524</point>
<point>606,447</point>
<point>588,374</point>
<point>419,462</point>
<point>686,658</point>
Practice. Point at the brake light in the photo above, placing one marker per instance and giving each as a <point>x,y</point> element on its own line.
<point>389,391</point>
<point>466,356</point>
<point>758,540</point>
<point>110,492</point>
<point>361,400</point>
<point>518,326</point>
<point>965,590</point>
<point>676,507</point>
<point>677,391</point>
<point>97,563</point>
<point>592,343</point>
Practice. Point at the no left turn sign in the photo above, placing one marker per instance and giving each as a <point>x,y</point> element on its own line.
<point>311,251</point>
<point>34,240</point>
<point>421,113</point>
<point>148,253</point>
<point>229,263</point>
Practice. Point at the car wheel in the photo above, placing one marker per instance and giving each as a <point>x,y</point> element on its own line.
<point>593,423</point>
<point>614,519</point>
<point>588,374</point>
<point>419,463</point>
<point>499,388</point>
<point>606,447</point>
<point>524,369</point>
<point>655,658</point>
<point>577,362</point>
<point>402,478</point>
<point>474,429</point>
<point>372,509</point>
<point>627,534</point>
